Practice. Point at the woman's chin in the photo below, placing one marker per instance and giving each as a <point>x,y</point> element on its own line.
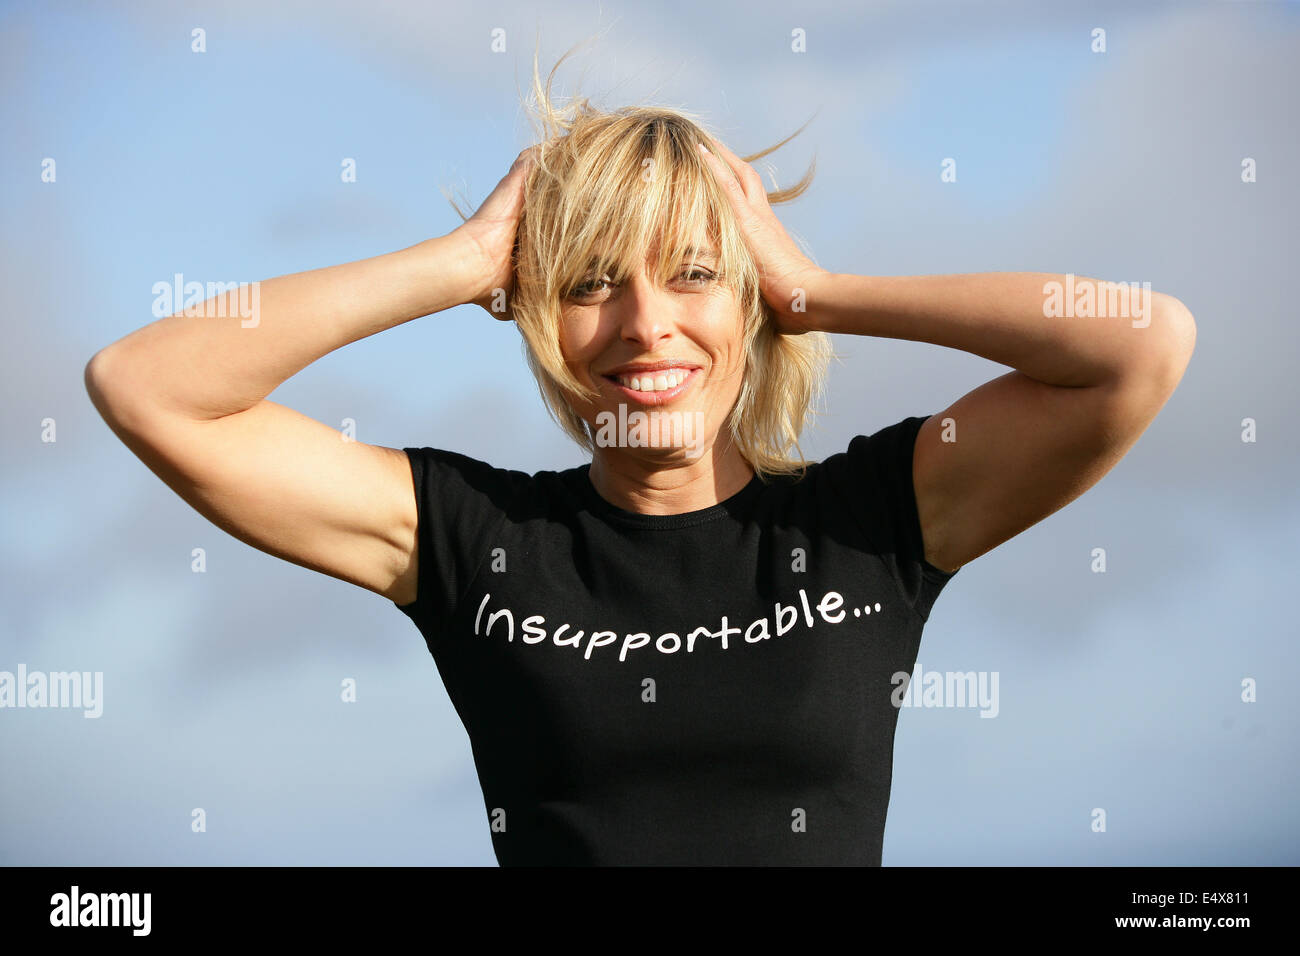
<point>657,434</point>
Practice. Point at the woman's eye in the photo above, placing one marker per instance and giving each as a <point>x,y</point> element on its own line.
<point>593,286</point>
<point>586,287</point>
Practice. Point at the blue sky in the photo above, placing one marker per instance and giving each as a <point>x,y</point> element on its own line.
<point>221,690</point>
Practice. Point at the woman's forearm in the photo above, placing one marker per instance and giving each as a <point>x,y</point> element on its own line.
<point>1058,329</point>
<point>240,347</point>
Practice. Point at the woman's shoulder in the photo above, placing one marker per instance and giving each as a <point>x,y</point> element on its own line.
<point>458,474</point>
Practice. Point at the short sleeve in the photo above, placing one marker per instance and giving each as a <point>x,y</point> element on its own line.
<point>873,478</point>
<point>460,503</point>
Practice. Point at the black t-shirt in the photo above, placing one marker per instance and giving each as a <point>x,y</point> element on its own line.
<point>706,688</point>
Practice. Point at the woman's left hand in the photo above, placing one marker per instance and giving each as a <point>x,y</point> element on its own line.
<point>785,272</point>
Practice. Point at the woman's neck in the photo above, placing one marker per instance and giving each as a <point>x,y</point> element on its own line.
<point>643,486</point>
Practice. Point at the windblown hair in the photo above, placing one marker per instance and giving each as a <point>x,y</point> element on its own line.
<point>607,189</point>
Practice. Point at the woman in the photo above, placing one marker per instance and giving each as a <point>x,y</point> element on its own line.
<point>689,650</point>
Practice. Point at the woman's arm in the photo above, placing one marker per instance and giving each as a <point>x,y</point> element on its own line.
<point>187,395</point>
<point>218,363</point>
<point>1088,382</point>
<point>1094,364</point>
<point>1005,317</point>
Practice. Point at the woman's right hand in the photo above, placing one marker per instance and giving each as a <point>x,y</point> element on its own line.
<point>490,233</point>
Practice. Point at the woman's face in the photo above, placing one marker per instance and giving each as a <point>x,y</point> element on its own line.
<point>657,350</point>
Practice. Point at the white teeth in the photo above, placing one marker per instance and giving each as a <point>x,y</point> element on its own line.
<point>655,382</point>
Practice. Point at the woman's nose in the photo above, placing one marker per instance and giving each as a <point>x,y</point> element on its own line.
<point>645,313</point>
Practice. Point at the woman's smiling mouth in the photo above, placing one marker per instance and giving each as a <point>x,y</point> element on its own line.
<point>653,386</point>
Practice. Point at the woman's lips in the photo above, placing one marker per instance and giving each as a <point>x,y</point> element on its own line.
<point>653,398</point>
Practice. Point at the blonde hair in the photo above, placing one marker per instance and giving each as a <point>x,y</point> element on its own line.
<point>589,204</point>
